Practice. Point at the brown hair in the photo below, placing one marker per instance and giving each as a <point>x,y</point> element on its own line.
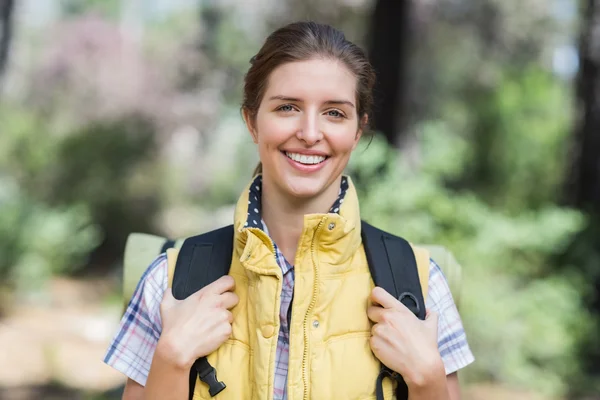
<point>302,41</point>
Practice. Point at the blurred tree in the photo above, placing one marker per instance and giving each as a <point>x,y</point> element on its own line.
<point>487,74</point>
<point>584,182</point>
<point>103,166</point>
<point>390,41</point>
<point>211,18</point>
<point>6,16</point>
<point>203,51</point>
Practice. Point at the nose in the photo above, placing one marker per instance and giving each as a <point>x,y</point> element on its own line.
<point>309,131</point>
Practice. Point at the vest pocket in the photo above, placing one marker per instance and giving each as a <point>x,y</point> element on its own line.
<point>344,367</point>
<point>233,364</point>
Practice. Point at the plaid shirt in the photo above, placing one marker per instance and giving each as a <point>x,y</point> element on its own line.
<point>133,346</point>
<point>283,343</point>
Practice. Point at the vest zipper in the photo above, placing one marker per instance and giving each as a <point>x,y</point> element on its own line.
<point>308,311</point>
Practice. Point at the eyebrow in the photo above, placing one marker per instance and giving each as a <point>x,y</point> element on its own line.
<point>295,100</point>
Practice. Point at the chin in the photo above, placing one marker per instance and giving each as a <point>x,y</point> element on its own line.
<point>304,187</point>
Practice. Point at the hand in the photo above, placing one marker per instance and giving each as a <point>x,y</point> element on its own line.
<point>402,342</point>
<point>197,326</point>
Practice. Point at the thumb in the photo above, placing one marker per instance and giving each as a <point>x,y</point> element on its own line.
<point>431,321</point>
<point>168,299</point>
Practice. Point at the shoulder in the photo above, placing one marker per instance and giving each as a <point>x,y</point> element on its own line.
<point>144,305</point>
<point>154,281</point>
<point>439,294</point>
<point>452,339</point>
<point>132,347</point>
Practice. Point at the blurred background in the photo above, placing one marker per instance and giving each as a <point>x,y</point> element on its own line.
<point>123,115</point>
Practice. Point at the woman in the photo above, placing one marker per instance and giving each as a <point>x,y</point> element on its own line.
<point>307,98</point>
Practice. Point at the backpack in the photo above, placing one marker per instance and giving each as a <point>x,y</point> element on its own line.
<point>205,258</point>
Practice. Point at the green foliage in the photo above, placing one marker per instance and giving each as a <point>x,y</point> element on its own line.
<point>63,194</point>
<point>519,132</point>
<point>38,241</point>
<point>96,160</point>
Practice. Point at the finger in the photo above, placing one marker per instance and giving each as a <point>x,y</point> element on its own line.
<point>375,313</point>
<point>228,300</point>
<point>380,347</point>
<point>225,330</point>
<point>383,298</point>
<point>377,344</point>
<point>381,331</point>
<point>225,315</point>
<point>223,284</point>
<point>375,330</point>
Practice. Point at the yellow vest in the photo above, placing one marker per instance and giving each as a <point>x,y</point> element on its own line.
<point>329,352</point>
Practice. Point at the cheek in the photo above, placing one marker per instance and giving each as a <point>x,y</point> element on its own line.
<point>343,140</point>
<point>274,131</point>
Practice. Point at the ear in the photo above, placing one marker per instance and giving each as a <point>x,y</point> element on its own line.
<point>249,121</point>
<point>361,127</point>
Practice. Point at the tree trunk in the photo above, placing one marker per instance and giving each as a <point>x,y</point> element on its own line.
<point>6,13</point>
<point>583,188</point>
<point>390,39</point>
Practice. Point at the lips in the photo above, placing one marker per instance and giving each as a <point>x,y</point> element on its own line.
<point>306,162</point>
<point>306,159</point>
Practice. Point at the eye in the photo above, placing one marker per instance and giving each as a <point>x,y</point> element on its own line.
<point>286,108</point>
<point>335,114</point>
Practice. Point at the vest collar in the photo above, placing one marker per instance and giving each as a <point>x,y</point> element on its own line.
<point>336,234</point>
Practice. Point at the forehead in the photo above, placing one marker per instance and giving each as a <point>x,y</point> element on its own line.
<point>313,79</point>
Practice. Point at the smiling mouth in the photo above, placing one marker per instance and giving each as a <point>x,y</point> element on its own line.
<point>305,159</point>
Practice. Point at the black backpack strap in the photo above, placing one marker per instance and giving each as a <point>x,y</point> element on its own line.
<point>168,244</point>
<point>393,267</point>
<point>202,260</point>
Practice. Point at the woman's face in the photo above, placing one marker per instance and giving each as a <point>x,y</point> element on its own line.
<point>307,127</point>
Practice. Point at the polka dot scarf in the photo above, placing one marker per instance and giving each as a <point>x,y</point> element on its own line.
<point>254,204</point>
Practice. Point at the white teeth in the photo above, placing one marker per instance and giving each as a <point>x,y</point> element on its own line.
<point>304,159</point>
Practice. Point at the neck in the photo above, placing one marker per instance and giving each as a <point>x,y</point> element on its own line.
<point>284,214</point>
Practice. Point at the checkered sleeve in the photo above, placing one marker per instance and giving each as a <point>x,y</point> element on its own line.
<point>132,347</point>
<point>452,340</point>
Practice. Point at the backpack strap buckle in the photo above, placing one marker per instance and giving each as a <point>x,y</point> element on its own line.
<point>401,390</point>
<point>208,375</point>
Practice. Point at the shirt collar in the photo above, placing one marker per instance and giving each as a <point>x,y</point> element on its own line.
<point>254,219</point>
